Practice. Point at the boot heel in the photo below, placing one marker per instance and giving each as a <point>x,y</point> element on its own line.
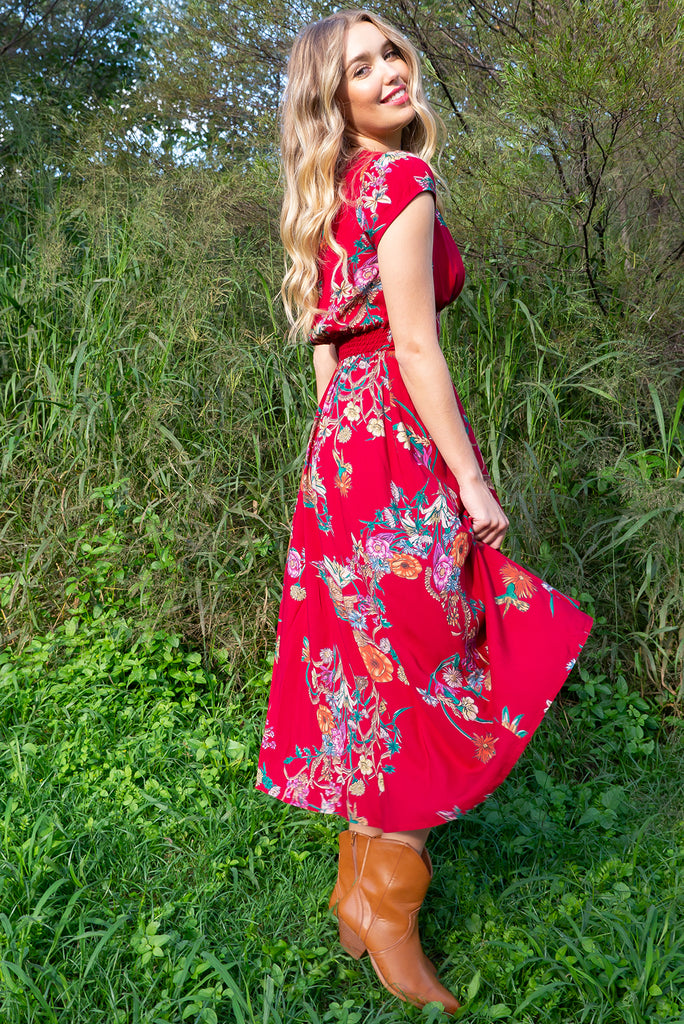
<point>350,941</point>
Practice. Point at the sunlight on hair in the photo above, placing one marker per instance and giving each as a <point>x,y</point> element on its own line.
<point>315,150</point>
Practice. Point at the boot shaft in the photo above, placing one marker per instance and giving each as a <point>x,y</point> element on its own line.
<point>391,882</point>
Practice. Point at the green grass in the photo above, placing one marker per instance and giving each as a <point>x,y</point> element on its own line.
<point>142,878</point>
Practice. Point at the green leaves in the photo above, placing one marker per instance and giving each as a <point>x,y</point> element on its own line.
<point>140,867</point>
<point>147,942</point>
<point>59,61</point>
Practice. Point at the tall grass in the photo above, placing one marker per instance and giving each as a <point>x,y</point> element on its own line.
<point>138,357</point>
<point>146,388</point>
<point>578,441</point>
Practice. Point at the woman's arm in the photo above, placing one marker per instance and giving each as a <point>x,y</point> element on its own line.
<point>325,364</point>
<point>405,264</point>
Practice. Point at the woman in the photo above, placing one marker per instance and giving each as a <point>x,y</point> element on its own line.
<point>413,660</point>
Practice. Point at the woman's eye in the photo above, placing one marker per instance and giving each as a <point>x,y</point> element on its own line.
<point>391,54</point>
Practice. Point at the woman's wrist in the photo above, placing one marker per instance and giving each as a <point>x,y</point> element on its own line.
<point>470,476</point>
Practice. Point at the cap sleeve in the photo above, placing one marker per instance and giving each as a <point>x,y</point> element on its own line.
<point>389,185</point>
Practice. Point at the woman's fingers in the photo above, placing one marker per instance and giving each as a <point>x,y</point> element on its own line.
<point>490,531</point>
<point>488,518</point>
<point>497,540</point>
<point>494,541</point>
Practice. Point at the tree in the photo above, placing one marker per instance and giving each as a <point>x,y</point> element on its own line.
<point>565,132</point>
<point>60,59</point>
<point>565,136</point>
<point>220,73</point>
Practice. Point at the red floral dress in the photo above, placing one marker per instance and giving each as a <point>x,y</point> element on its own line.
<point>412,664</point>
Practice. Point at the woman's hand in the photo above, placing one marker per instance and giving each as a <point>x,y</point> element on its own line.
<point>489,521</point>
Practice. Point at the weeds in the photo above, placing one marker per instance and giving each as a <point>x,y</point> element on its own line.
<point>146,389</point>
<point>143,879</point>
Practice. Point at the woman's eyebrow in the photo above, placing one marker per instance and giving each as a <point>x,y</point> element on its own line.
<point>354,60</point>
<point>367,56</point>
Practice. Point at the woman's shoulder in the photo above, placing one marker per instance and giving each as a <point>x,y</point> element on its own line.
<point>387,183</point>
<point>393,169</point>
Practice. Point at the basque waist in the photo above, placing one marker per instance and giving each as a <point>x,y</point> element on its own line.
<point>364,344</point>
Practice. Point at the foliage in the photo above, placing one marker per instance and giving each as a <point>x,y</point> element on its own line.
<point>60,61</point>
<point>138,354</point>
<point>579,444</point>
<point>219,73</point>
<point>143,879</point>
<point>564,145</point>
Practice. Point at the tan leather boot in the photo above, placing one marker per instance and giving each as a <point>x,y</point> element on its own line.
<point>345,865</point>
<point>380,914</point>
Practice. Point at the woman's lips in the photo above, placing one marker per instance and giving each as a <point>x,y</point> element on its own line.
<point>398,97</point>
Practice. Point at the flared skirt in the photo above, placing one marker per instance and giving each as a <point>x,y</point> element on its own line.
<point>413,664</point>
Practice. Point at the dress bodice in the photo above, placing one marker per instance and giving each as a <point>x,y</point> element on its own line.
<point>377,187</point>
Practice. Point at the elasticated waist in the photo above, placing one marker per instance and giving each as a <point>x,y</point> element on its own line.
<point>366,343</point>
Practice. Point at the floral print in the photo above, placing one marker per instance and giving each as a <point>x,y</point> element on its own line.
<point>412,638</point>
<point>413,664</point>
<point>379,186</point>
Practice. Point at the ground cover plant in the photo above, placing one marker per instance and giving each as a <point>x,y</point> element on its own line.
<point>143,880</point>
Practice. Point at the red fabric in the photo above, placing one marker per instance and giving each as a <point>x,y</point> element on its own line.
<point>378,187</point>
<point>412,665</point>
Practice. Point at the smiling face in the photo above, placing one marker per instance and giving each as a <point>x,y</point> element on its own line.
<point>372,93</point>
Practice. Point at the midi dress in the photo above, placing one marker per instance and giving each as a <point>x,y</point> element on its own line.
<point>412,663</point>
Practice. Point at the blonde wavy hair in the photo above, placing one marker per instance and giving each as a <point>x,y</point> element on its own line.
<point>315,150</point>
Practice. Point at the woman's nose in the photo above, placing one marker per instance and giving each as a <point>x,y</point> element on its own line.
<point>390,73</point>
